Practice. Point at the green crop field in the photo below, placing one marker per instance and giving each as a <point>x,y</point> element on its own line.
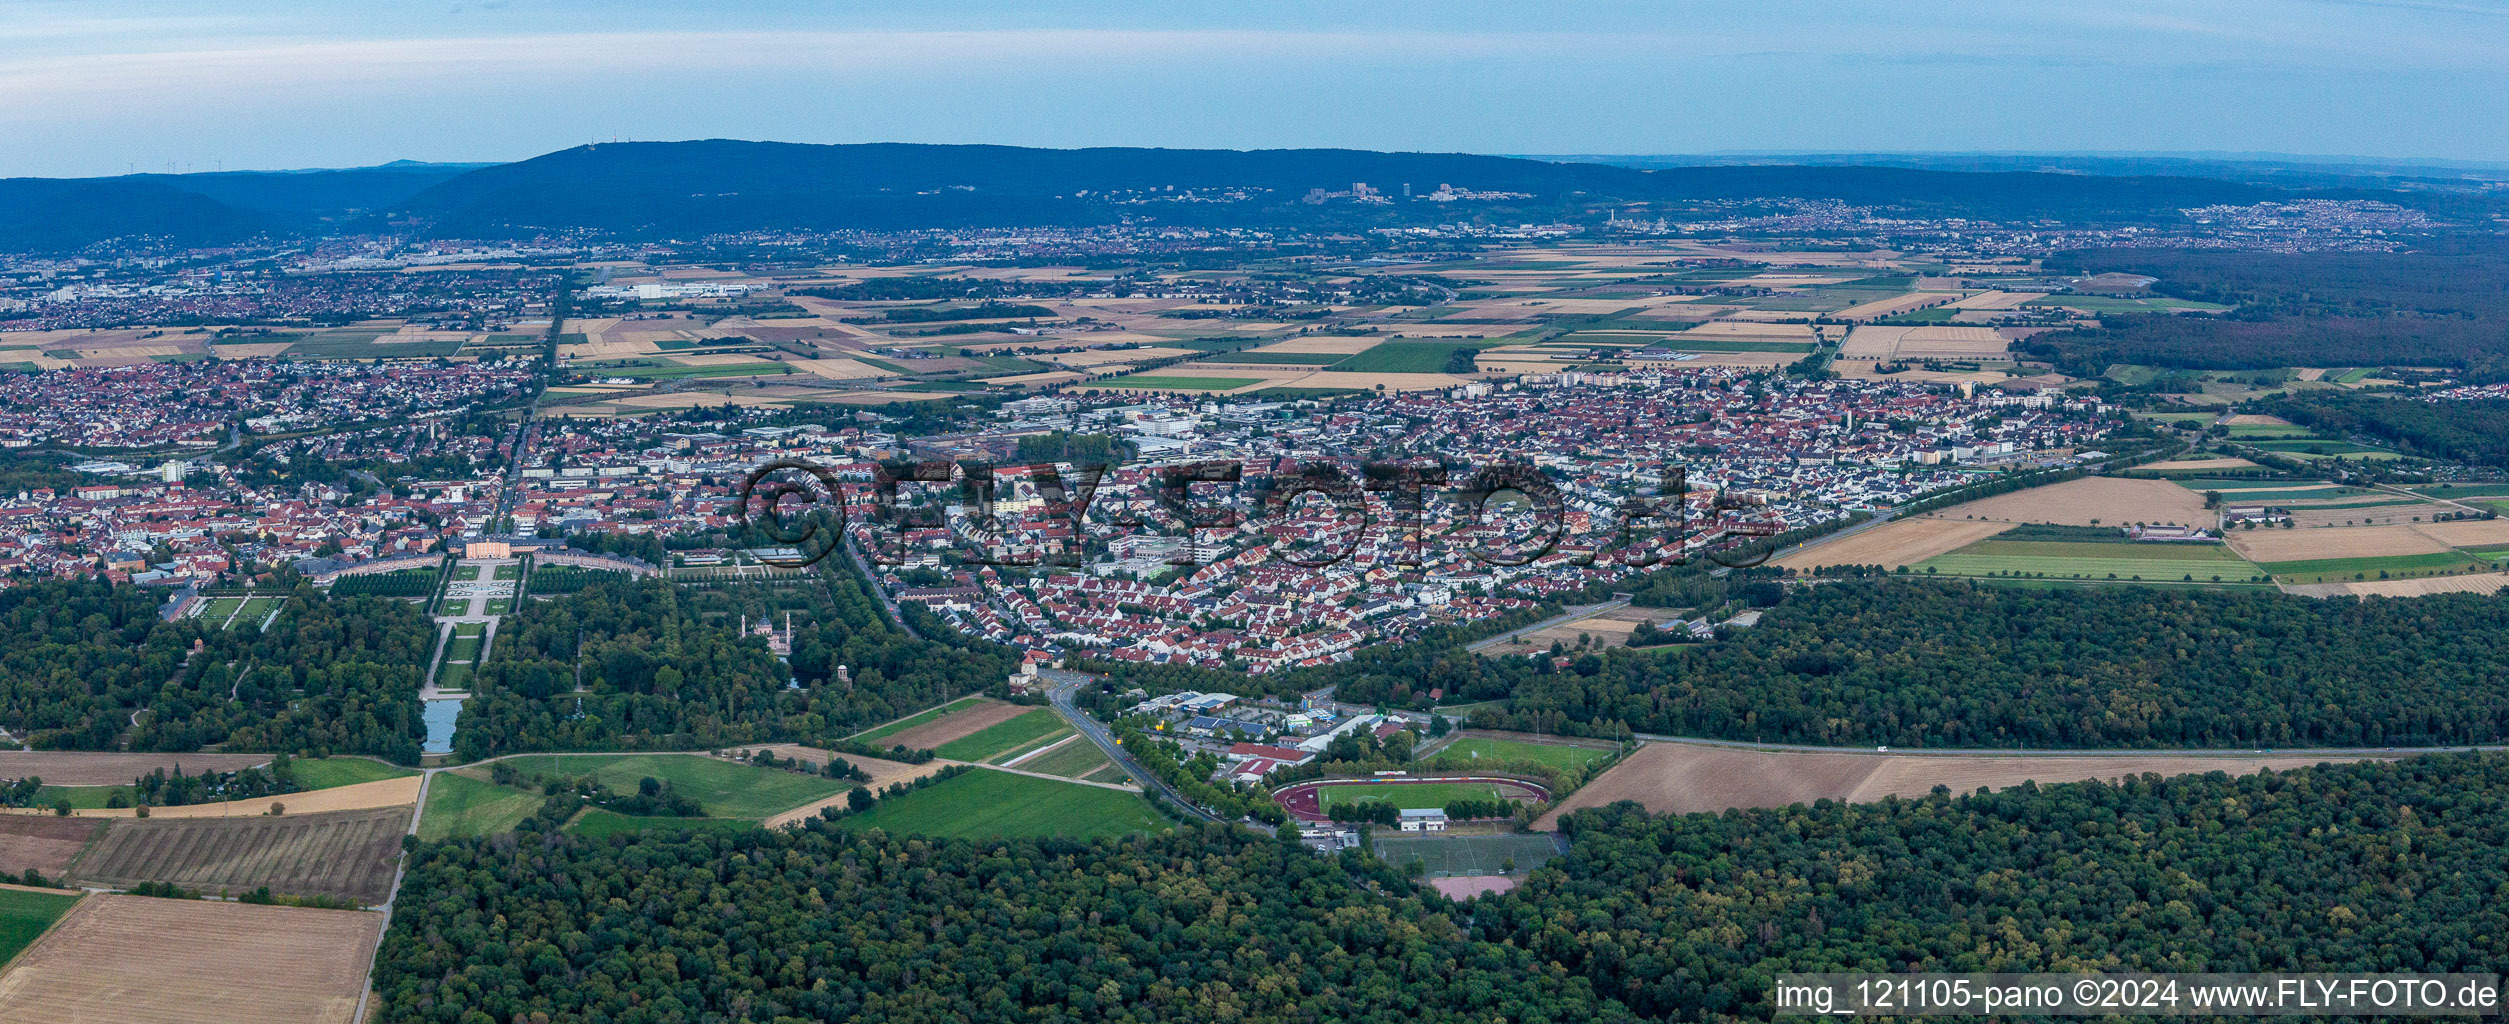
<point>2095,561</point>
<point>1557,754</point>
<point>458,805</point>
<point>1003,736</point>
<point>25,915</point>
<point>1408,794</point>
<point>1712,345</point>
<point>919,718</point>
<point>723,788</point>
<point>2338,570</point>
<point>327,772</point>
<point>1020,750</point>
<point>985,804</point>
<point>1184,383</point>
<point>1073,760</point>
<point>1315,359</point>
<point>602,823</point>
<point>1403,357</point>
<point>2464,490</point>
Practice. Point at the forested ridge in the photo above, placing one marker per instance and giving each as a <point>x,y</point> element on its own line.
<point>2373,866</point>
<point>664,667</point>
<point>333,675</point>
<point>1949,664</point>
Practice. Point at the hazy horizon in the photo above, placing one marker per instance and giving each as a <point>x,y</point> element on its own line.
<point>93,89</point>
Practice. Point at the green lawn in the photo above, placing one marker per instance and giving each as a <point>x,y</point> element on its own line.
<point>602,823</point>
<point>470,629</point>
<point>255,610</point>
<point>1184,383</point>
<point>498,606</point>
<point>219,609</point>
<point>453,675</point>
<point>327,772</point>
<point>462,648</point>
<point>989,804</point>
<point>466,571</point>
<point>1408,794</point>
<point>1559,755</point>
<point>456,606</point>
<point>1002,736</point>
<point>25,915</point>
<point>458,805</point>
<point>510,571</point>
<point>919,718</point>
<point>1075,759</point>
<point>725,789</point>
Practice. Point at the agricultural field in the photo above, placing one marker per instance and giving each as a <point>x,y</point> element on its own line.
<point>2093,501</point>
<point>460,805</point>
<point>1494,747</point>
<point>25,914</point>
<point>2333,570</point>
<point>2149,562</point>
<point>986,804</point>
<point>101,768</point>
<point>1609,628</point>
<point>1691,778</point>
<point>140,960</point>
<point>343,853</point>
<point>1073,760</point>
<point>1403,357</point>
<point>43,842</point>
<point>1004,737</point>
<point>927,730</point>
<point>312,774</point>
<point>725,789</point>
<point>1163,382</point>
<point>1895,543</point>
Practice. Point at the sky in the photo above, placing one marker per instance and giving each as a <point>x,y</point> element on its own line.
<point>99,87</point>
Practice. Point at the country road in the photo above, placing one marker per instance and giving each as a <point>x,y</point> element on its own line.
<point>1059,686</point>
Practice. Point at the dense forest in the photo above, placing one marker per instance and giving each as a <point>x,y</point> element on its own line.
<point>664,667</point>
<point>2446,307</point>
<point>81,659</point>
<point>2390,867</point>
<point>822,925</point>
<point>1949,664</point>
<point>2475,431</point>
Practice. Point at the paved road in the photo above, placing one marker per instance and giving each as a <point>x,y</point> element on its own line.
<point>1059,688</point>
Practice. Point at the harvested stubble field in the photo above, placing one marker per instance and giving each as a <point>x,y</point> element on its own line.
<point>1896,543</point>
<point>2112,501</point>
<point>138,960</point>
<point>1611,628</point>
<point>399,792</point>
<point>2469,583</point>
<point>83,768</point>
<point>2324,542</point>
<point>47,844</point>
<point>1687,778</point>
<point>344,853</point>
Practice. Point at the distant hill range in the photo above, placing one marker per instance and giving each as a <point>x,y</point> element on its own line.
<point>661,190</point>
